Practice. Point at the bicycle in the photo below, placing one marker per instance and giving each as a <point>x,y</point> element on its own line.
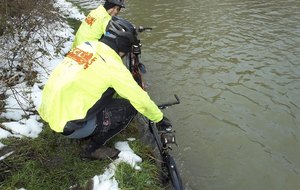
<point>133,60</point>
<point>163,138</point>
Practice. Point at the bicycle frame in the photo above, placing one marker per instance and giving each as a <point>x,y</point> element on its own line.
<point>135,66</point>
<point>133,60</point>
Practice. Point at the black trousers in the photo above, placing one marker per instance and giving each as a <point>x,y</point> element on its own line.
<point>113,119</point>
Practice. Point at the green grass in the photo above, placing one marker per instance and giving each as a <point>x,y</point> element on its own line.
<point>52,161</point>
<point>74,23</point>
<point>129,178</point>
<point>146,178</point>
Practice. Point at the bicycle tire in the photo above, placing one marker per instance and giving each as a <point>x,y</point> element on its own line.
<point>174,174</point>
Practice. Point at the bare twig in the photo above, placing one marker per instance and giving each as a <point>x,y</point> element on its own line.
<point>25,35</point>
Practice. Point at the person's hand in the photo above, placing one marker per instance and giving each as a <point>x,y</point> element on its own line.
<point>164,124</point>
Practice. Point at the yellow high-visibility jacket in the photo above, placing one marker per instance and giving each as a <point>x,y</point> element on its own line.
<point>93,26</point>
<point>79,81</point>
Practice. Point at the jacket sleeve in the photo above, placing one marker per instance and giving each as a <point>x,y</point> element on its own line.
<point>124,84</point>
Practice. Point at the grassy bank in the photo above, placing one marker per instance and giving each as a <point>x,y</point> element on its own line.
<point>52,161</point>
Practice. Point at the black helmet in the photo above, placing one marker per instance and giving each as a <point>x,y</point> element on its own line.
<point>123,32</point>
<point>117,2</point>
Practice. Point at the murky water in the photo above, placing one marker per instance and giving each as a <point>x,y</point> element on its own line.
<point>236,66</point>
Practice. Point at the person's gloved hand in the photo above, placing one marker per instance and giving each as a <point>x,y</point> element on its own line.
<point>164,124</point>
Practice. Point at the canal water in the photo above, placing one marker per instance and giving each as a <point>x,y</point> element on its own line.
<point>235,64</point>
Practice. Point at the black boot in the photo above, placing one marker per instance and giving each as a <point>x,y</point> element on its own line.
<point>95,151</point>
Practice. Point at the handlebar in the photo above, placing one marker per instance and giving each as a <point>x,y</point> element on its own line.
<point>141,29</point>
